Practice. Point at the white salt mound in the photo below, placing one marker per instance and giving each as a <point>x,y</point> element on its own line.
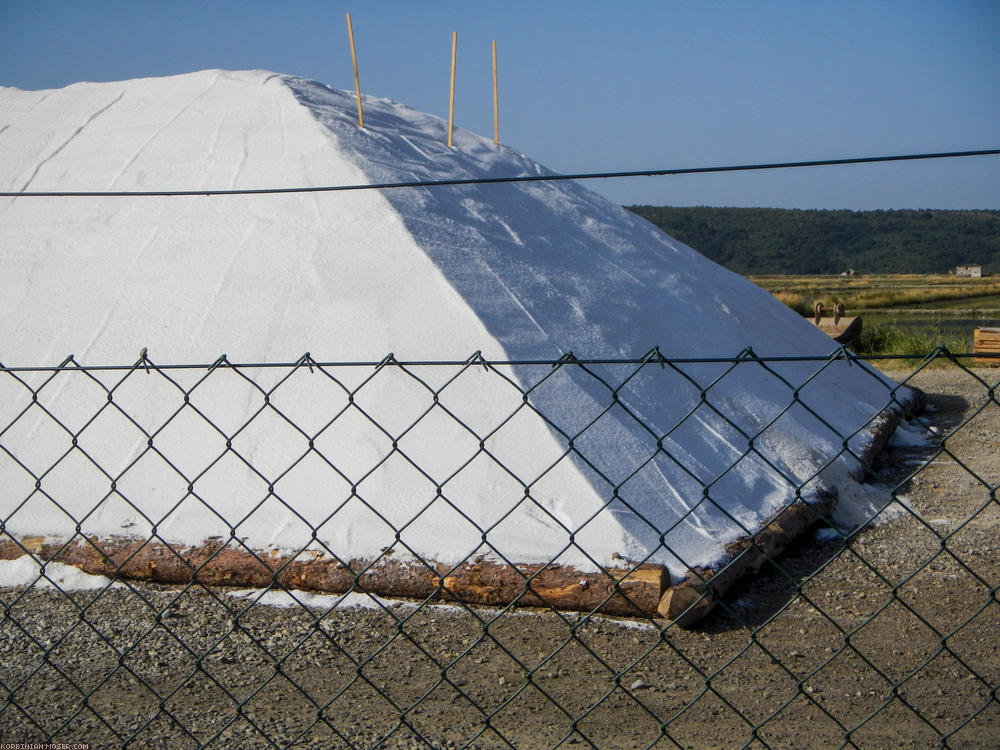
<point>516,271</point>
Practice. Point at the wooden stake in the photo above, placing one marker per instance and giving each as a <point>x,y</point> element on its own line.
<point>354,60</point>
<point>496,100</point>
<point>451,104</point>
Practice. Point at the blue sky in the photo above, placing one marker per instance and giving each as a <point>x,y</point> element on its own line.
<point>593,86</point>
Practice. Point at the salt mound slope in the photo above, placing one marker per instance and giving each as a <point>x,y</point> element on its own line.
<point>516,271</point>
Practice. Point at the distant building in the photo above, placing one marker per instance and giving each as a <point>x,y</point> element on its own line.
<point>970,271</point>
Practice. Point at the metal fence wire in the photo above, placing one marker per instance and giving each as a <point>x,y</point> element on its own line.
<point>272,631</point>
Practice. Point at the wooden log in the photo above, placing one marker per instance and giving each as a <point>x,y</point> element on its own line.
<point>218,562</point>
<point>687,602</point>
<point>628,592</point>
<point>986,341</point>
<point>644,590</point>
<point>880,429</point>
<point>694,597</point>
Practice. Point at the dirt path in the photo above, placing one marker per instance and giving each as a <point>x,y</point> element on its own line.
<point>884,640</point>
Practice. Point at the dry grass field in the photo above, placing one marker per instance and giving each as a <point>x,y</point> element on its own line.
<point>904,314</point>
<point>864,293</point>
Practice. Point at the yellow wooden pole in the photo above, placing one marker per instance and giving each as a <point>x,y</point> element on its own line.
<point>354,60</point>
<point>496,100</point>
<point>451,104</point>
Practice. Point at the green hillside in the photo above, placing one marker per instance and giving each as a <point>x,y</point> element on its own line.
<point>788,241</point>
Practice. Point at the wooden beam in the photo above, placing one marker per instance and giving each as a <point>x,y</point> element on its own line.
<point>694,597</point>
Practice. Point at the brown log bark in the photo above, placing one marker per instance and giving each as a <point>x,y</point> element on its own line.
<point>216,562</point>
<point>687,602</point>
<point>694,597</point>
<point>913,401</point>
<point>620,592</point>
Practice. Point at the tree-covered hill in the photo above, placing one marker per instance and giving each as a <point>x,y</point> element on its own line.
<point>775,240</point>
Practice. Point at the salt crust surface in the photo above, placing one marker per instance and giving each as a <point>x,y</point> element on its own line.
<point>516,271</point>
<point>29,571</point>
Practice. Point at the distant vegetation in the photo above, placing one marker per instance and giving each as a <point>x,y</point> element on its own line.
<point>893,340</point>
<point>864,293</point>
<point>903,313</point>
<point>784,241</point>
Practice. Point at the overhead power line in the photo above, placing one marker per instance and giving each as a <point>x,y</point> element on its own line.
<point>491,180</point>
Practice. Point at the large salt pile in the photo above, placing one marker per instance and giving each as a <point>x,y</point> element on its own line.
<point>515,271</point>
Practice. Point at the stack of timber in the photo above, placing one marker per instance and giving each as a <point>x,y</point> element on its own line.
<point>986,341</point>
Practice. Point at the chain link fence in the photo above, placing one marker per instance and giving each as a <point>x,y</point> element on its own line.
<point>116,629</point>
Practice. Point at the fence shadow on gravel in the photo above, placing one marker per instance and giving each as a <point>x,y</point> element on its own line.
<point>807,632</point>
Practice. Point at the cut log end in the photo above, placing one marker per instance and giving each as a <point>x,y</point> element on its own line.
<point>687,602</point>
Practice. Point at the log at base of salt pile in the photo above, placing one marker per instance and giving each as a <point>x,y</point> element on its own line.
<point>642,590</point>
<point>690,600</point>
<point>613,591</point>
<point>625,592</point>
<point>687,602</point>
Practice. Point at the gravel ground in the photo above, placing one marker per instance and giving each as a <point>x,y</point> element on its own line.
<point>888,639</point>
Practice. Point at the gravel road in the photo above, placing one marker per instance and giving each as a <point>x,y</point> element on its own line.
<point>884,640</point>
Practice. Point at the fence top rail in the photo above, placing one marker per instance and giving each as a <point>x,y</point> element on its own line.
<point>652,357</point>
